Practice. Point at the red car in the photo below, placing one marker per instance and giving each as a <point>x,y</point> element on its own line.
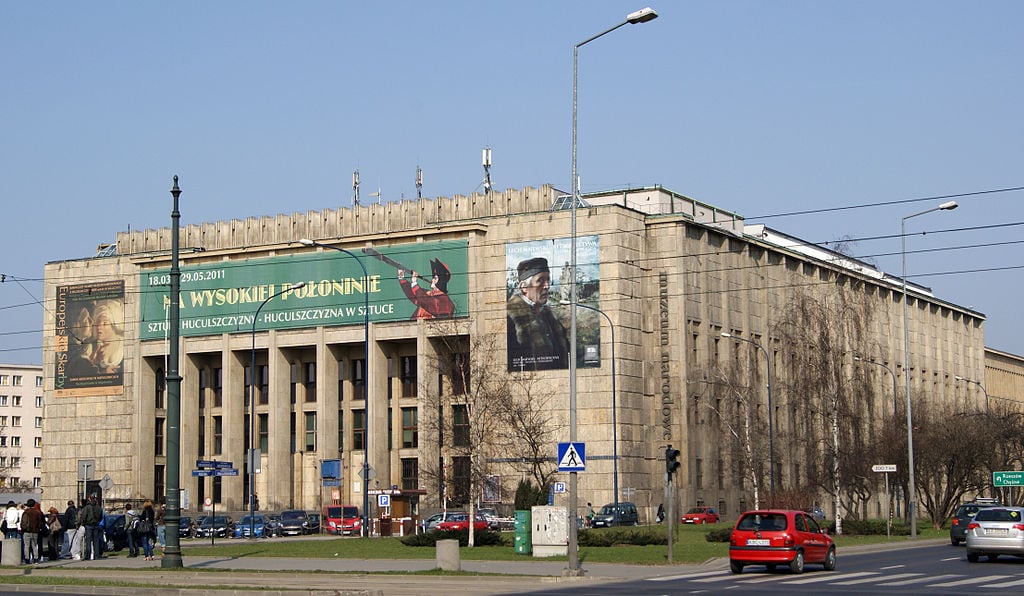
<point>775,537</point>
<point>459,520</point>
<point>701,515</point>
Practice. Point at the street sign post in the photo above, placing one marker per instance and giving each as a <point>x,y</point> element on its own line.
<point>886,469</point>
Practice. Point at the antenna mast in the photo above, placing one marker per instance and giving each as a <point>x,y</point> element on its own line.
<point>419,183</point>
<point>487,169</point>
<point>355,188</point>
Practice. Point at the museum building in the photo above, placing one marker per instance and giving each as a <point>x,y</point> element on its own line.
<point>672,274</point>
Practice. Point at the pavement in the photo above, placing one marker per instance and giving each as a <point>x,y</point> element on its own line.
<point>355,577</point>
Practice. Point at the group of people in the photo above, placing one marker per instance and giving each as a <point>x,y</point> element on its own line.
<point>78,533</point>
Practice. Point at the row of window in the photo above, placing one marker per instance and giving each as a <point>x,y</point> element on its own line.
<point>14,461</point>
<point>16,421</point>
<point>15,482</point>
<point>15,441</point>
<point>16,381</point>
<point>15,401</point>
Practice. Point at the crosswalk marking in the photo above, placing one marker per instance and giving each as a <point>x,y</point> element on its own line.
<point>918,580</point>
<point>968,581</point>
<point>669,578</point>
<point>827,577</point>
<point>865,580</point>
<point>1018,582</point>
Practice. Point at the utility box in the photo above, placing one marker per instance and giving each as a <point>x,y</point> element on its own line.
<point>550,531</point>
<point>522,535</point>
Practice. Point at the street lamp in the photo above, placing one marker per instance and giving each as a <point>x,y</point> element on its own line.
<point>252,411</point>
<point>978,383</point>
<point>859,359</point>
<point>771,414</point>
<point>911,490</point>
<point>366,378</point>
<point>641,16</point>
<point>615,424</point>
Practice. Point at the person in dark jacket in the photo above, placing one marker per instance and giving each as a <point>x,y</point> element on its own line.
<point>90,517</point>
<point>536,338</point>
<point>70,523</point>
<point>31,525</point>
<point>147,529</point>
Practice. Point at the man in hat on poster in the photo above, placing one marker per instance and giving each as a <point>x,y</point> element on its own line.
<point>536,338</point>
<point>433,303</point>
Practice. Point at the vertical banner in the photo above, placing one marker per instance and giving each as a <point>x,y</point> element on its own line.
<point>89,339</point>
<point>538,293</point>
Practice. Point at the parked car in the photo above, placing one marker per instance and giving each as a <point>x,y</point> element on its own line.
<point>431,522</point>
<point>186,527</point>
<point>254,525</point>
<point>115,533</point>
<point>218,526</point>
<point>272,527</point>
<point>312,523</point>
<point>342,519</point>
<point>607,517</point>
<point>293,522</point>
<point>996,531</point>
<point>963,516</point>
<point>459,520</point>
<point>701,515</point>
<point>816,512</point>
<point>780,537</point>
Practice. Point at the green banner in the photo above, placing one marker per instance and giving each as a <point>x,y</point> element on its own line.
<point>224,297</point>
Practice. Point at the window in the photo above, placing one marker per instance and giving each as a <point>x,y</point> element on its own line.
<point>159,488</point>
<point>218,434</point>
<point>341,429</point>
<point>37,482</point>
<point>291,424</point>
<point>16,401</point>
<point>410,431</point>
<point>698,472</point>
<point>310,431</point>
<point>264,372</point>
<point>15,441</point>
<point>460,425</point>
<point>3,441</point>
<point>3,401</point>
<point>15,461</point>
<point>201,444</point>
<point>3,420</point>
<point>410,473</point>
<point>161,386</point>
<point>15,420</point>
<point>218,387</point>
<point>4,379</point>
<point>204,382</point>
<point>311,382</point>
<point>359,429</point>
<point>17,380</point>
<point>459,373</point>
<point>264,429</point>
<point>39,381</point>
<point>39,401</point>
<point>37,442</point>
<point>408,376</point>
<point>158,437</point>
<point>39,422</point>
<point>37,462</point>
<point>3,461</point>
<point>460,480</point>
<point>359,379</point>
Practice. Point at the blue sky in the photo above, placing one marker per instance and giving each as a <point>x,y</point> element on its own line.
<point>762,108</point>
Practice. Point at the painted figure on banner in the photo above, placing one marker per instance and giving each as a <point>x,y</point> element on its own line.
<point>537,340</point>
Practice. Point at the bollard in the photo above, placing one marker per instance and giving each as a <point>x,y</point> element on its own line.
<point>448,555</point>
<point>10,552</point>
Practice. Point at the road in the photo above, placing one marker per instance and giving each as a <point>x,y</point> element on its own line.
<point>938,569</point>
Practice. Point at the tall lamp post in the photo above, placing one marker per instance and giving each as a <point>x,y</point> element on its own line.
<point>911,490</point>
<point>615,409</point>
<point>172,480</point>
<point>980,386</point>
<point>859,359</point>
<point>252,411</point>
<point>771,413</point>
<point>366,378</point>
<point>641,16</point>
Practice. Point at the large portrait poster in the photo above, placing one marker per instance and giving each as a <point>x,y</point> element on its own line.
<point>89,339</point>
<point>421,280</point>
<point>538,293</point>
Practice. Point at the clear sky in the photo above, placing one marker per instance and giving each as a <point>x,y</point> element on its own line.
<point>759,107</point>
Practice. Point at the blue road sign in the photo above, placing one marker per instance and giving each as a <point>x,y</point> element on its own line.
<point>226,472</point>
<point>204,472</point>
<point>211,463</point>
<point>572,457</point>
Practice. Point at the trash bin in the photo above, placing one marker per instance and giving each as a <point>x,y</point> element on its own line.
<point>385,526</point>
<point>522,543</point>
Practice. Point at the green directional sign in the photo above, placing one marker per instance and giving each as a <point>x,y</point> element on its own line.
<point>1010,478</point>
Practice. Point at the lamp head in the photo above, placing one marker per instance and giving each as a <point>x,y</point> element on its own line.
<point>724,334</point>
<point>297,286</point>
<point>306,242</point>
<point>641,16</point>
<point>949,206</point>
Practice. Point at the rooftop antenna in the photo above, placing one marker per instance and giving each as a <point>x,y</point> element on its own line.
<point>487,169</point>
<point>377,194</point>
<point>419,182</point>
<point>355,188</point>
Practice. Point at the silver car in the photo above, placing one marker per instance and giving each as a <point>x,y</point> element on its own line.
<point>996,531</point>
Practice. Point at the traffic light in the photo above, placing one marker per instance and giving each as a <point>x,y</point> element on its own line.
<point>671,460</point>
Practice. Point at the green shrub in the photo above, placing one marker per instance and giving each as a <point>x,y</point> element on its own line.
<point>719,535</point>
<point>616,536</point>
<point>869,527</point>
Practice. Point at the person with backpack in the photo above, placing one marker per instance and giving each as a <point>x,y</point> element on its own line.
<point>131,530</point>
<point>90,518</point>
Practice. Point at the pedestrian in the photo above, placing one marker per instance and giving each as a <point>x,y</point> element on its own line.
<point>70,523</point>
<point>12,516</point>
<point>31,525</point>
<point>55,539</point>
<point>90,518</point>
<point>661,513</point>
<point>131,530</point>
<point>161,530</point>
<point>590,515</point>
<point>147,529</point>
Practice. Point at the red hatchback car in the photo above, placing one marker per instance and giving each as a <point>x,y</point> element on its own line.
<point>701,515</point>
<point>779,537</point>
<point>460,521</point>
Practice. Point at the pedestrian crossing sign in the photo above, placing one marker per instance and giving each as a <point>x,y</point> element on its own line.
<point>572,457</point>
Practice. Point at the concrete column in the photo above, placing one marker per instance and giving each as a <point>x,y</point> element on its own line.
<point>447,555</point>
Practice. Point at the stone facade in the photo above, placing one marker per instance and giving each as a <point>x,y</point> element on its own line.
<point>674,274</point>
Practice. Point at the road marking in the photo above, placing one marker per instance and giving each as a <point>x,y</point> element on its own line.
<point>968,581</point>
<point>669,578</point>
<point>951,559</point>
<point>865,580</point>
<point>919,580</point>
<point>764,578</point>
<point>1019,582</point>
<point>829,577</point>
<point>892,567</point>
